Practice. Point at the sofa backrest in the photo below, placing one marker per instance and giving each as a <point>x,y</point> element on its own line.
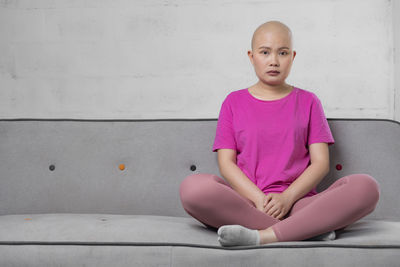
<point>72,166</point>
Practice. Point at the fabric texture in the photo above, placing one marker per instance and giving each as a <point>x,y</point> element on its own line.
<point>272,137</point>
<point>212,201</point>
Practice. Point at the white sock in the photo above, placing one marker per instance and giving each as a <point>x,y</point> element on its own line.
<point>237,235</point>
<point>324,237</point>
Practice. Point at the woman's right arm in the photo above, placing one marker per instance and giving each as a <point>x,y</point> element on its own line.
<point>238,179</point>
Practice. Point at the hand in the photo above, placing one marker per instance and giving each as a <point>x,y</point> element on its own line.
<point>277,205</point>
<point>260,203</point>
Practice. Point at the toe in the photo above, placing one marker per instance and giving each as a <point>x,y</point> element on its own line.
<point>332,235</point>
<point>219,230</point>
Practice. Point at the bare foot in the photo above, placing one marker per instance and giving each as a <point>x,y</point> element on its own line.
<point>267,236</point>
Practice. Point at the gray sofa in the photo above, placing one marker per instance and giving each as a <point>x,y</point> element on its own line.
<point>64,201</point>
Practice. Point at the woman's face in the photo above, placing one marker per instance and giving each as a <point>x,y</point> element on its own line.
<point>272,56</point>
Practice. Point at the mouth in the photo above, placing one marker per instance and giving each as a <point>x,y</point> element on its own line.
<point>273,72</point>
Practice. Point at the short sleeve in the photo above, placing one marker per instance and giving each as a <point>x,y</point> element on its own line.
<point>318,128</point>
<point>224,136</point>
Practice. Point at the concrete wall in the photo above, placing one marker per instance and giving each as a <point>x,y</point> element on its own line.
<point>396,31</point>
<point>149,59</point>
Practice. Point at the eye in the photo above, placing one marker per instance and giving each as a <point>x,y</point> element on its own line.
<point>284,53</point>
<point>264,52</point>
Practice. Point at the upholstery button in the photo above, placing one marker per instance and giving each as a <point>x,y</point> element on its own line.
<point>338,167</point>
<point>122,167</point>
<point>52,167</point>
<point>193,167</point>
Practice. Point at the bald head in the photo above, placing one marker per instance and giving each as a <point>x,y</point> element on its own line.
<point>271,27</point>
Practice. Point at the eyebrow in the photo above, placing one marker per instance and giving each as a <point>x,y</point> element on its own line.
<point>284,47</point>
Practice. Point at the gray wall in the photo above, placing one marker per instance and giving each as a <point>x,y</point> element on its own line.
<point>396,30</point>
<point>179,59</point>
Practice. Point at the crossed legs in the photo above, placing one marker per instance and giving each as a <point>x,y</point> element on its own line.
<point>212,201</point>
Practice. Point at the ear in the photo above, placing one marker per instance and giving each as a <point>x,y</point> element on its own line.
<point>250,54</point>
<point>294,54</point>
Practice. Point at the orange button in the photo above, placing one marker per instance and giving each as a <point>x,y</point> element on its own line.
<point>121,167</point>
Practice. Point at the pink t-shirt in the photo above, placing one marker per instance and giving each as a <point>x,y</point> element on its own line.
<point>271,137</point>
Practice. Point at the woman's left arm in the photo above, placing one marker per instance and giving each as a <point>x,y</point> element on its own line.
<point>312,175</point>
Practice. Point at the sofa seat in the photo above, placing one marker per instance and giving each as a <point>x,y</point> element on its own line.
<point>164,230</point>
<point>172,239</point>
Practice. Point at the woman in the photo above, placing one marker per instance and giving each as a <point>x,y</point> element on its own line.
<point>272,142</point>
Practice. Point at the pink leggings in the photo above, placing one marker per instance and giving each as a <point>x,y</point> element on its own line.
<point>212,201</point>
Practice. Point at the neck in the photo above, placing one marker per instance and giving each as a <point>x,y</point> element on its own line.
<point>272,89</point>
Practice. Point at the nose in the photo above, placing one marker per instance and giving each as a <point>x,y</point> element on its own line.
<point>274,60</point>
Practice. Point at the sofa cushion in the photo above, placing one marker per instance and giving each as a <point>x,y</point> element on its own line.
<point>164,230</point>
<point>148,240</point>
